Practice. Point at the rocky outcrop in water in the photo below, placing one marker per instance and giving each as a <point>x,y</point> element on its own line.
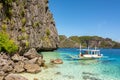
<point>29,23</point>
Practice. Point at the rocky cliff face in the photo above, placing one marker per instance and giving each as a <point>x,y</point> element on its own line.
<point>29,23</point>
<point>92,41</point>
<point>67,43</point>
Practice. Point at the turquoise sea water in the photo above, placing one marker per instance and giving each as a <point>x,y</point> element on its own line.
<point>107,68</point>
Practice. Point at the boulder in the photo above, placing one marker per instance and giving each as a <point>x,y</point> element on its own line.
<point>32,68</point>
<point>2,74</point>
<point>14,77</point>
<point>57,61</point>
<point>40,61</point>
<point>4,55</point>
<point>17,57</point>
<point>33,61</point>
<point>7,68</point>
<point>19,66</point>
<point>3,62</point>
<point>32,53</point>
<point>1,77</point>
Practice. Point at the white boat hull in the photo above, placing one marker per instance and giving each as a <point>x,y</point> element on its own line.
<point>90,56</point>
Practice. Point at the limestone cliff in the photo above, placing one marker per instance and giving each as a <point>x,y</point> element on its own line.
<point>92,41</point>
<point>29,23</point>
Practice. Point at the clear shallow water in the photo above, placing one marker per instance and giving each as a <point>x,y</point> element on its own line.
<point>107,68</point>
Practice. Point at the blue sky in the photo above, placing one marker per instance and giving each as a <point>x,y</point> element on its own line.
<point>87,17</point>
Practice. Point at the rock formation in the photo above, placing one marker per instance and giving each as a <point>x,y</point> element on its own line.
<point>29,23</point>
<point>18,64</point>
<point>92,41</point>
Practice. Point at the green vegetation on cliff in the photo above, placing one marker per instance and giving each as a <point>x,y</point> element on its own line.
<point>8,6</point>
<point>7,44</point>
<point>92,41</point>
<point>27,22</point>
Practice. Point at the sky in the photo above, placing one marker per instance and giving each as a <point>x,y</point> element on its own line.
<point>87,17</point>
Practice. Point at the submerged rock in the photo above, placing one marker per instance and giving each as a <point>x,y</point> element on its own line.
<point>58,73</point>
<point>35,79</point>
<point>15,77</point>
<point>32,68</point>
<point>57,61</point>
<point>88,73</point>
<point>40,61</point>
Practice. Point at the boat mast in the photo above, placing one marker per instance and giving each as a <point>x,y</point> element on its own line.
<point>80,49</point>
<point>95,47</point>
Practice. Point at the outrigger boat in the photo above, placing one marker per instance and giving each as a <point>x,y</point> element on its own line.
<point>90,53</point>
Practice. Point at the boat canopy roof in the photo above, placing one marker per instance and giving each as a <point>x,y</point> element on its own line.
<point>90,50</point>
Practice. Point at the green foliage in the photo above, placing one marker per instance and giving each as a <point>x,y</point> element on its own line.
<point>47,32</point>
<point>75,38</point>
<point>62,37</point>
<point>23,29</point>
<point>12,23</point>
<point>7,44</point>
<point>116,45</point>
<point>26,36</point>
<point>85,38</point>
<point>27,44</point>
<point>23,37</point>
<point>4,27</point>
<point>92,41</point>
<point>46,39</point>
<point>22,13</point>
<point>8,2</point>
<point>8,5</point>
<point>46,1</point>
<point>20,38</point>
<point>36,24</point>
<point>9,12</point>
<point>23,21</point>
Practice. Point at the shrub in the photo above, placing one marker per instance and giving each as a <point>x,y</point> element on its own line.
<point>7,44</point>
<point>9,2</point>
<point>23,21</point>
<point>4,27</point>
<point>47,32</point>
<point>27,44</point>
<point>23,29</point>
<point>36,24</point>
